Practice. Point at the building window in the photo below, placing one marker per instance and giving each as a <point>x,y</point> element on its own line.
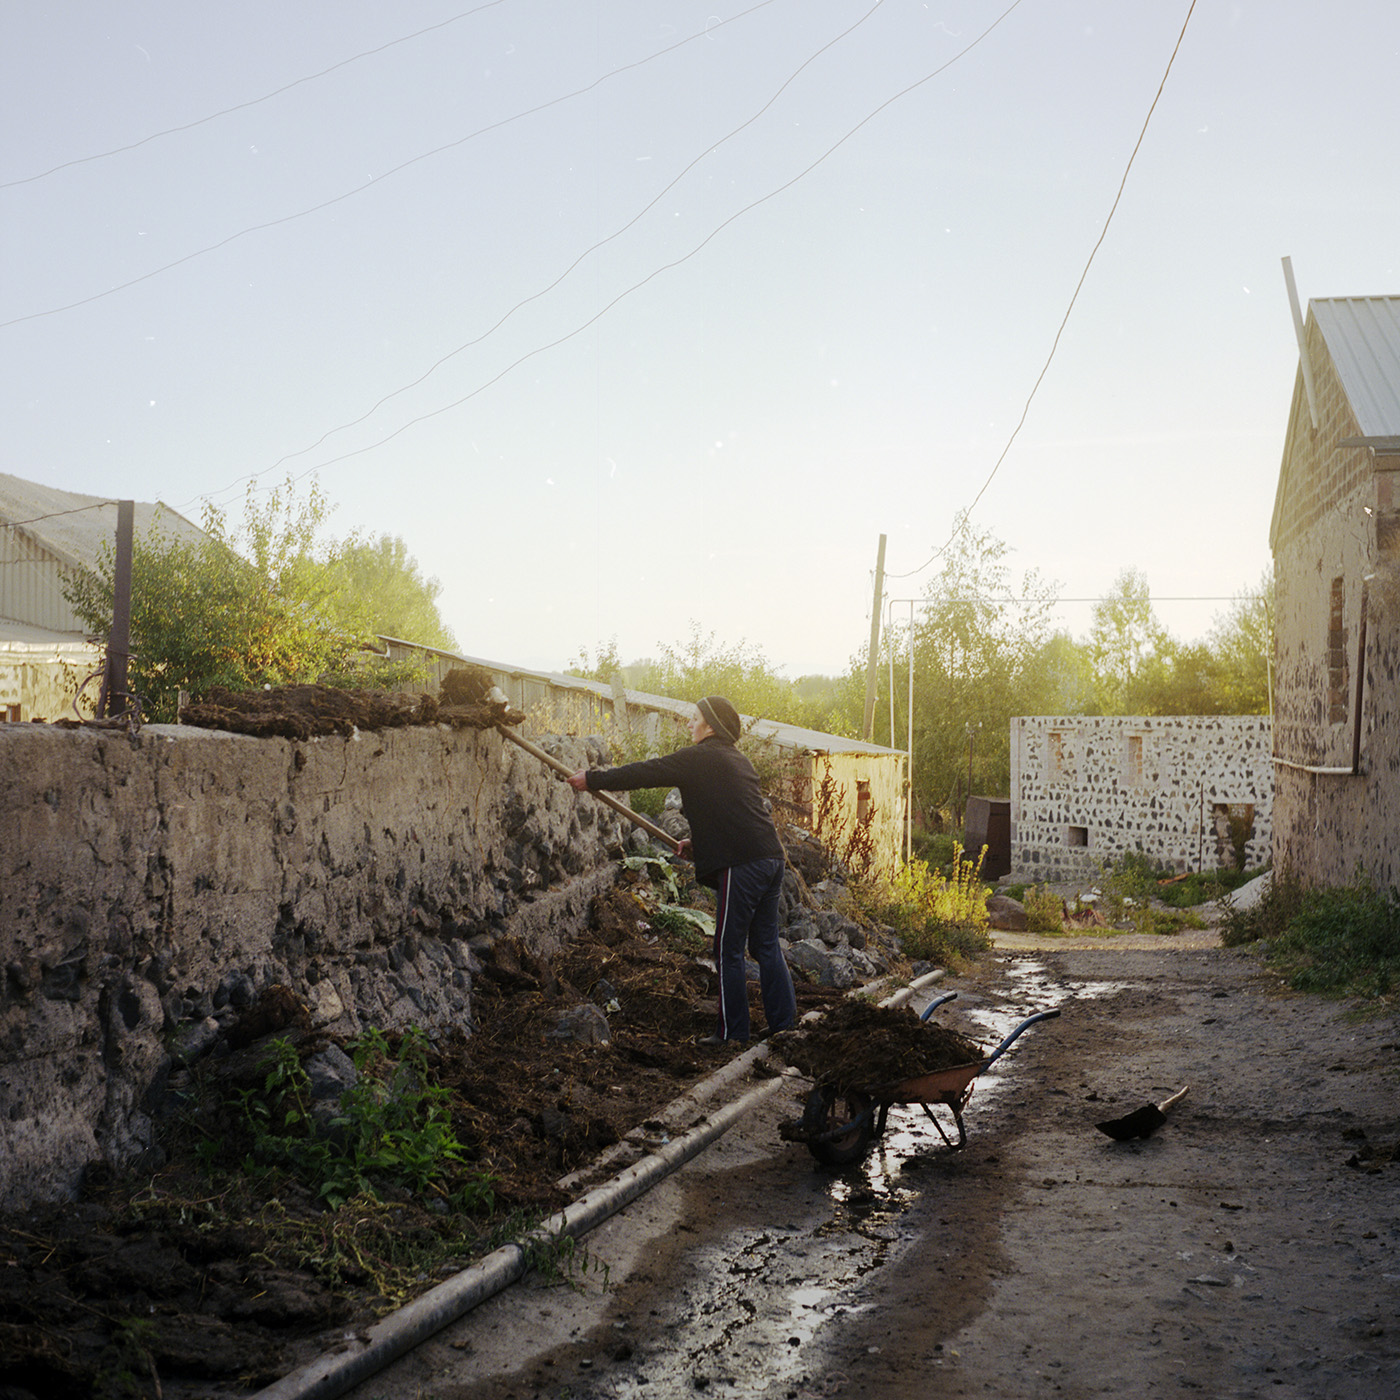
<point>12,713</point>
<point>1058,761</point>
<point>1076,836</point>
<point>1132,761</point>
<point>1234,828</point>
<point>1337,656</point>
<point>863,806</point>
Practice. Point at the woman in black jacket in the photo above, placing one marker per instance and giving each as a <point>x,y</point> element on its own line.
<point>736,850</point>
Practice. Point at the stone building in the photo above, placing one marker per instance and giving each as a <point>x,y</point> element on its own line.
<point>1335,538</point>
<point>1193,792</point>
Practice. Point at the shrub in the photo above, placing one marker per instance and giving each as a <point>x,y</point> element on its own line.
<point>394,1128</point>
<point>939,918</point>
<point>1339,942</point>
<point>1044,911</point>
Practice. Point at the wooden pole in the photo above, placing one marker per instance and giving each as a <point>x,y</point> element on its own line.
<point>119,639</point>
<point>608,800</point>
<point>874,653</point>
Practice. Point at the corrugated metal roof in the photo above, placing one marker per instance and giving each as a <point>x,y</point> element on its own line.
<point>1363,338</point>
<point>19,639</point>
<point>74,527</point>
<point>788,735</point>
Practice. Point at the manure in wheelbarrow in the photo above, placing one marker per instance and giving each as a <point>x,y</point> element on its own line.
<point>857,1045</point>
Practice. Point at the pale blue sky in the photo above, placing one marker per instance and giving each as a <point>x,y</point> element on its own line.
<point>727,441</point>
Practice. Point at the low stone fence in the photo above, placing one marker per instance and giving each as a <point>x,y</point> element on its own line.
<point>152,885</point>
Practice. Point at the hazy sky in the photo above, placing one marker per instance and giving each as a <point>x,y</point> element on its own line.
<point>628,314</point>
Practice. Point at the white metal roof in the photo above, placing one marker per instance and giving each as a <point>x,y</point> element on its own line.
<point>1363,339</point>
<point>20,639</point>
<point>73,526</point>
<point>788,735</point>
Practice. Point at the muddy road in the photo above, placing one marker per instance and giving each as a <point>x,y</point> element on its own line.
<point>1251,1247</point>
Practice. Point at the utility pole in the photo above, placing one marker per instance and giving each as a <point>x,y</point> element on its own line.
<point>874,644</point>
<point>119,640</point>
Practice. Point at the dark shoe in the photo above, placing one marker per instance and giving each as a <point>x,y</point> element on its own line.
<point>717,1040</point>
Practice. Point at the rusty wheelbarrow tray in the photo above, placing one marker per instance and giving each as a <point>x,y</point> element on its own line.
<point>839,1126</point>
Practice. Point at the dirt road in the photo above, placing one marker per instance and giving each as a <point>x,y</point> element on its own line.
<point>1251,1247</point>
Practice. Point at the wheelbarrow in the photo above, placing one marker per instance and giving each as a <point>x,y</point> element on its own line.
<point>839,1126</point>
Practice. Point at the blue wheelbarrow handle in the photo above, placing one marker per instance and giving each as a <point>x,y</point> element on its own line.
<point>1025,1025</point>
<point>935,1004</point>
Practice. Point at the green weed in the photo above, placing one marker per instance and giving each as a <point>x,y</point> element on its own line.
<point>1335,941</point>
<point>393,1128</point>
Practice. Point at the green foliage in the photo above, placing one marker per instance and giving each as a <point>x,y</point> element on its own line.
<point>701,666</point>
<point>1338,942</point>
<point>1133,893</point>
<point>976,665</point>
<point>1243,641</point>
<point>203,614</point>
<point>1045,912</point>
<point>263,605</point>
<point>394,1128</point>
<point>690,930</point>
<point>373,588</point>
<point>939,918</point>
<point>559,1258</point>
<point>1124,638</point>
<point>1268,918</point>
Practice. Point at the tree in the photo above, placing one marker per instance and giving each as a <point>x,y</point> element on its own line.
<point>1243,640</point>
<point>374,588</point>
<point>1124,637</point>
<point>238,609</point>
<point>976,649</point>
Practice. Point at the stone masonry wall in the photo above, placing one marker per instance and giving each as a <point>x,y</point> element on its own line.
<point>1086,789</point>
<point>151,886</point>
<point>1336,547</point>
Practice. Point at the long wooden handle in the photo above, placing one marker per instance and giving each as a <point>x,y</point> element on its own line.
<point>621,808</point>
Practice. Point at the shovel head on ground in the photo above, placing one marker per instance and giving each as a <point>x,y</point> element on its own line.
<point>1141,1122</point>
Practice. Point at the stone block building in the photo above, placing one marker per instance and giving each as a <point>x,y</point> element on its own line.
<point>1335,538</point>
<point>1193,792</point>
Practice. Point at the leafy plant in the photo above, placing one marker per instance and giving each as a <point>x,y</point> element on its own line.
<point>691,930</point>
<point>1045,911</point>
<point>394,1127</point>
<point>937,917</point>
<point>1336,941</point>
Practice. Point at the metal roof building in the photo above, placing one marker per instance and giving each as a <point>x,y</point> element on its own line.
<point>44,532</point>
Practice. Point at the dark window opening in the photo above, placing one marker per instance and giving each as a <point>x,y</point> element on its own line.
<point>1337,656</point>
<point>1076,836</point>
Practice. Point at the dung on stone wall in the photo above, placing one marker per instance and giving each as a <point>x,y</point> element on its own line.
<point>154,885</point>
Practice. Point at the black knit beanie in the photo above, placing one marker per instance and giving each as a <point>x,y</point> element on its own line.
<point>722,717</point>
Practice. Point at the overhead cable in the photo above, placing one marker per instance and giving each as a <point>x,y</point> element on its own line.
<point>243,106</point>
<point>658,271</point>
<point>1044,369</point>
<point>374,179</point>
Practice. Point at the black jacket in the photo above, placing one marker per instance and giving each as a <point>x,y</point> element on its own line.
<point>729,825</point>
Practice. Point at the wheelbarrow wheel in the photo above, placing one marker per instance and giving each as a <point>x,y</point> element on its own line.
<point>827,1112</point>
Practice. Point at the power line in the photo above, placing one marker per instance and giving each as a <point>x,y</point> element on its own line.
<point>656,272</point>
<point>377,179</point>
<point>243,106</point>
<point>710,148</point>
<point>54,515</point>
<point>1045,368</point>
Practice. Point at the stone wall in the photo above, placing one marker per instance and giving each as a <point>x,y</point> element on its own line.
<point>1085,789</point>
<point>152,885</point>
<point>1336,547</point>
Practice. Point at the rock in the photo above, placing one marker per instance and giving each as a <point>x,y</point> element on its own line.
<point>1006,914</point>
<point>586,1024</point>
<point>813,960</point>
<point>194,1040</point>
